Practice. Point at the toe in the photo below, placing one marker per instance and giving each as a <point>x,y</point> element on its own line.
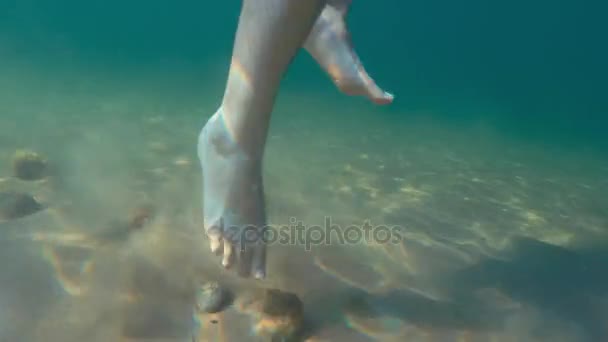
<point>216,244</point>
<point>245,260</point>
<point>215,235</point>
<point>228,257</point>
<point>383,98</point>
<point>258,266</point>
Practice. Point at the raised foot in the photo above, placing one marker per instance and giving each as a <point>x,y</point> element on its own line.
<point>330,45</point>
<point>233,199</point>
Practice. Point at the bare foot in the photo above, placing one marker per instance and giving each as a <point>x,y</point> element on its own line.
<point>329,44</point>
<point>233,199</point>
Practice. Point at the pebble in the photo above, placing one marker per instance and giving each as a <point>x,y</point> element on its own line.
<point>281,303</point>
<point>139,216</point>
<point>211,297</point>
<point>14,205</point>
<point>29,166</point>
<point>281,317</point>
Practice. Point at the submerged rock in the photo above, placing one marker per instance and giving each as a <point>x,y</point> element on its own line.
<point>28,165</point>
<point>139,216</point>
<point>211,297</point>
<point>280,303</point>
<point>281,315</point>
<point>121,229</point>
<point>14,205</point>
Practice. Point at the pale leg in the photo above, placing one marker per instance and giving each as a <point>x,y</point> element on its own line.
<point>231,145</point>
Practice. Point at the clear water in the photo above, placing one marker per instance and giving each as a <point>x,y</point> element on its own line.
<point>493,161</point>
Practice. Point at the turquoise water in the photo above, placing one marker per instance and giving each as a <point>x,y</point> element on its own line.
<point>493,161</point>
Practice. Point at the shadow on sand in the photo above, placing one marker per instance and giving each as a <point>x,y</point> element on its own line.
<point>570,285</point>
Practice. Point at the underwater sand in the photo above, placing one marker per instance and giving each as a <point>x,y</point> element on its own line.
<point>502,239</point>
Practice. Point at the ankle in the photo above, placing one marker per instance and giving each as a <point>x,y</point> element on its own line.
<point>217,137</point>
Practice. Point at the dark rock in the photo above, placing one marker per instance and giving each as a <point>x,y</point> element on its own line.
<point>15,205</point>
<point>139,216</point>
<point>281,315</point>
<point>211,297</point>
<point>280,303</point>
<point>28,165</point>
<point>121,229</point>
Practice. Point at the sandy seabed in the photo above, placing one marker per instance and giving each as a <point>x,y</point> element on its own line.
<point>499,240</point>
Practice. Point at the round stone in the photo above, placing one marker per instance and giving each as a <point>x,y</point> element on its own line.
<point>28,165</point>
<point>14,205</point>
<point>211,297</point>
<point>281,315</point>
